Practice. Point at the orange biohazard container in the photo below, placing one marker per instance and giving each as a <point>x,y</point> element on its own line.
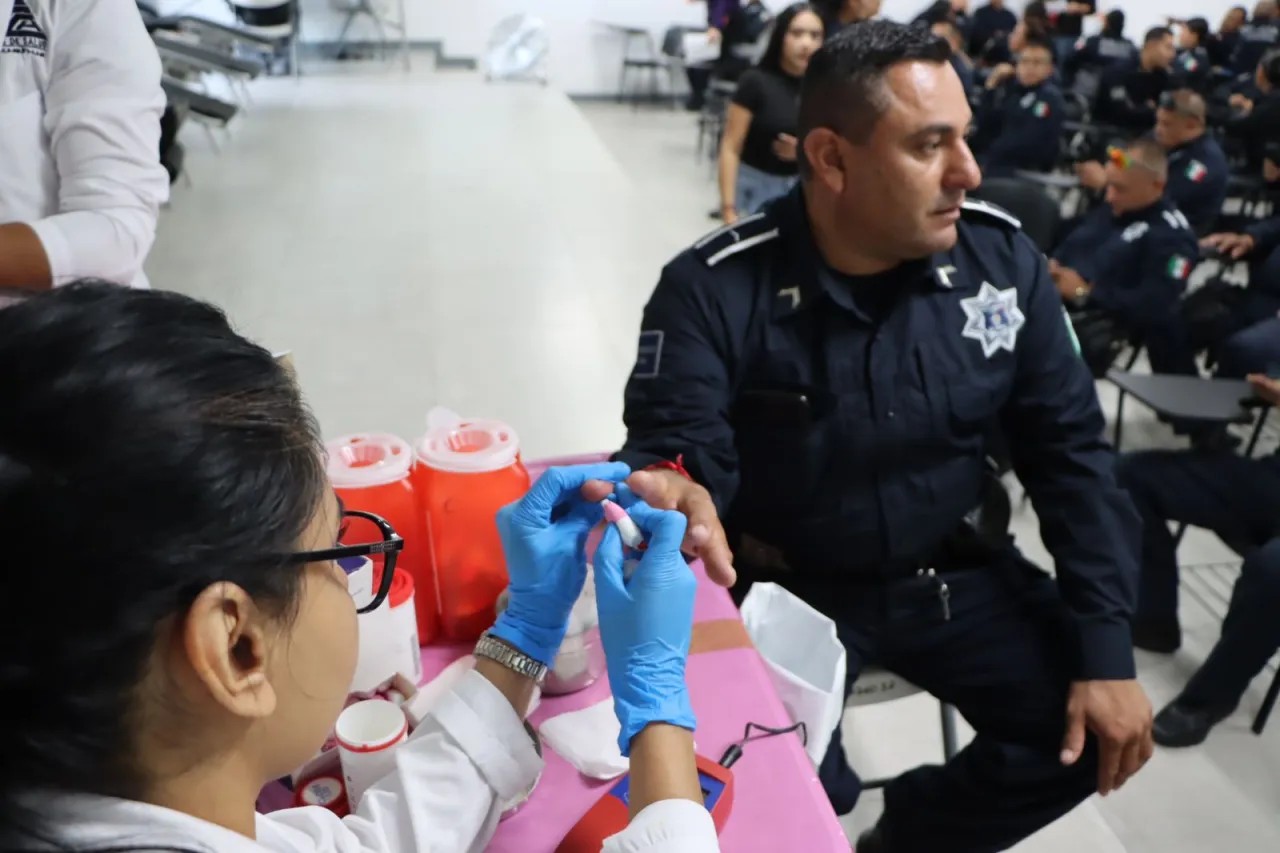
<point>464,472</point>
<point>371,472</point>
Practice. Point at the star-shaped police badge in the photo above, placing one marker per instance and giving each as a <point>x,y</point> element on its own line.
<point>992,318</point>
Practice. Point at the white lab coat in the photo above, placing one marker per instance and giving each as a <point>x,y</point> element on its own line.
<point>80,107</point>
<point>469,754</point>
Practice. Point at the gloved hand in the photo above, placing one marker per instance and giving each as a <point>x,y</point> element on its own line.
<point>543,536</point>
<point>646,622</point>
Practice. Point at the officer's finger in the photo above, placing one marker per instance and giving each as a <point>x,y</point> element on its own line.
<point>1130,761</point>
<point>705,537</point>
<point>1073,740</point>
<point>560,485</point>
<point>595,491</point>
<point>1110,754</point>
<point>653,488</point>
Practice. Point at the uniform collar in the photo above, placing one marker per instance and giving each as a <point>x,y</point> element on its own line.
<point>808,280</point>
<point>1187,147</point>
<point>1144,214</point>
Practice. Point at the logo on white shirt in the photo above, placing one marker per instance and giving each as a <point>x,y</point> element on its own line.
<point>23,35</point>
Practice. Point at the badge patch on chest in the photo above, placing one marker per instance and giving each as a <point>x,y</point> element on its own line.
<point>992,318</point>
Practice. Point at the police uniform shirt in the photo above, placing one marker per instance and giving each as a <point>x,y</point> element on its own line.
<point>1255,39</point>
<point>1026,123</point>
<point>851,435</point>
<point>80,107</point>
<point>1127,96</point>
<point>1138,262</point>
<point>1191,68</point>
<point>988,23</point>
<point>1198,173</point>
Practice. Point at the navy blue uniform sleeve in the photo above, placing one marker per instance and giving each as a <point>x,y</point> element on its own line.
<point>1168,256</point>
<point>678,397</point>
<point>1055,428</point>
<point>1265,234</point>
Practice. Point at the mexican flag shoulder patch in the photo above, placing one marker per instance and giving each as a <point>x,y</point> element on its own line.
<point>1179,267</point>
<point>1196,171</point>
<point>1040,110</point>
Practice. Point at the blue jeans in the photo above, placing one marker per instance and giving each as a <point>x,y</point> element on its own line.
<point>755,189</point>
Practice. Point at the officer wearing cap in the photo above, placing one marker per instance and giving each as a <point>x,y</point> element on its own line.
<point>826,376</point>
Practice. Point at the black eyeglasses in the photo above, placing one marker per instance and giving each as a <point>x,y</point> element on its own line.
<point>389,549</point>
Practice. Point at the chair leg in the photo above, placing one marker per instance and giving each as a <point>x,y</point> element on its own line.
<point>1269,702</point>
<point>950,743</point>
<point>1119,420</point>
<point>1257,432</point>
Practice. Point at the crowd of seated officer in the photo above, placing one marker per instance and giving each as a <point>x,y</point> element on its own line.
<point>1129,259</point>
<point>1256,117</point>
<point>1198,167</point>
<point>1021,114</point>
<point>1093,55</point>
<point>1256,37</point>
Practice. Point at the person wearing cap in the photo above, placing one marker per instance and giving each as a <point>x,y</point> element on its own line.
<point>81,182</point>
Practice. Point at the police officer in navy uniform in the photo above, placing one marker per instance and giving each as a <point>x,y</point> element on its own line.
<point>1128,91</point>
<point>1198,167</point>
<point>1021,118</point>
<point>825,377</point>
<point>1130,259</point>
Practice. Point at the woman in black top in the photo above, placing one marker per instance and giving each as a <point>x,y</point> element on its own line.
<point>758,150</point>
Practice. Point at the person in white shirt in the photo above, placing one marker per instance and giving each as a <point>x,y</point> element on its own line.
<point>80,177</point>
<point>175,632</point>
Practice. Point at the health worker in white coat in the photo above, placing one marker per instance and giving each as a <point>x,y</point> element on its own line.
<point>173,634</point>
<point>80,177</point>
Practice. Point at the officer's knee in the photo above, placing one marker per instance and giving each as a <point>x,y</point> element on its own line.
<point>1261,569</point>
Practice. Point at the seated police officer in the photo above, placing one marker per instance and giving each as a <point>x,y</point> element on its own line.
<point>1198,168</point>
<point>829,374</point>
<point>1256,120</point>
<point>1021,114</point>
<point>1255,38</point>
<point>960,60</point>
<point>1192,67</point>
<point>1130,258</point>
<point>1128,91</point>
<point>1249,331</point>
<point>1094,54</point>
<point>1236,498</point>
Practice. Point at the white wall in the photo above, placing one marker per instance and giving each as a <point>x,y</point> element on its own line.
<point>585,57</point>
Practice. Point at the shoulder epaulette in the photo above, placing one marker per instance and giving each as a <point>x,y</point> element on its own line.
<point>989,214</point>
<point>729,240</point>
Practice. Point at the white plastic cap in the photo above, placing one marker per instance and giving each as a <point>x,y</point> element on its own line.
<point>367,460</point>
<point>467,447</point>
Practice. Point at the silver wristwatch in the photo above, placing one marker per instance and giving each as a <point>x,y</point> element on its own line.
<point>513,659</point>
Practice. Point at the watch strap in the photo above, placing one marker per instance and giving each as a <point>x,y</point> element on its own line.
<point>496,650</point>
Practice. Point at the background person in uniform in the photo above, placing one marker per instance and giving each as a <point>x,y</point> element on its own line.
<point>1256,121</point>
<point>189,637</point>
<point>829,374</point>
<point>1192,66</point>
<point>1236,498</point>
<point>1128,92</point>
<point>1130,258</point>
<point>1096,53</point>
<point>839,14</point>
<point>960,60</point>
<point>80,177</point>
<point>1068,25</point>
<point>1256,37</point>
<point>1004,48</point>
<point>1222,45</point>
<point>1249,337</point>
<point>758,148</point>
<point>989,22</point>
<point>1022,113</point>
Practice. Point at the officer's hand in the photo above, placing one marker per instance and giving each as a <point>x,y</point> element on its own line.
<point>785,147</point>
<point>1119,713</point>
<point>705,536</point>
<point>1265,387</point>
<point>1270,171</point>
<point>1071,285</point>
<point>713,35</point>
<point>1091,175</point>
<point>1232,245</point>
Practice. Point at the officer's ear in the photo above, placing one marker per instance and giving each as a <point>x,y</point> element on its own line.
<point>824,151</point>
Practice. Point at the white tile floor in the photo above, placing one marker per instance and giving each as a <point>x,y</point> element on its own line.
<point>432,240</point>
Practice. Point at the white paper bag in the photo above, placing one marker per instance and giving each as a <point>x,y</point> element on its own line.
<point>805,659</point>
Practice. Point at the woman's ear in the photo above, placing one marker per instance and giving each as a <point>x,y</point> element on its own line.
<point>225,643</point>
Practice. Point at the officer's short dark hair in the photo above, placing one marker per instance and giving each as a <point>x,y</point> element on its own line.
<point>1042,42</point>
<point>843,88</point>
<point>1114,23</point>
<point>1270,66</point>
<point>1148,154</point>
<point>1156,34</point>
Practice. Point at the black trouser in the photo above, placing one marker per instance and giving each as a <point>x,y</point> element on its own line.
<point>1004,659</point>
<point>1236,498</point>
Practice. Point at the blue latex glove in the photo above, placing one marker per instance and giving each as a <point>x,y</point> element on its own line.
<point>544,536</point>
<point>646,622</point>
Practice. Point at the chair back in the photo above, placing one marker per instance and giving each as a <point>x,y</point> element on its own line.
<point>1039,212</point>
<point>673,42</point>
